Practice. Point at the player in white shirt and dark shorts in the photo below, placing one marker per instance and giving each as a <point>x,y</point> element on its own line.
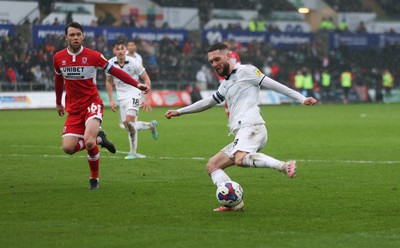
<point>130,98</point>
<point>240,90</point>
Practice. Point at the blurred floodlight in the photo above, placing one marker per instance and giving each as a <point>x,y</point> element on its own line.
<point>304,10</point>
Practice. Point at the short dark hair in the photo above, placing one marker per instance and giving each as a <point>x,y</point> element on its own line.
<point>73,25</point>
<point>217,46</point>
<point>118,42</point>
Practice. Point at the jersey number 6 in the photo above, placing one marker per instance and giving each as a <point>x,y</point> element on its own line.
<point>95,109</point>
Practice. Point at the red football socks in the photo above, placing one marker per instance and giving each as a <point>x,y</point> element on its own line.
<point>94,162</point>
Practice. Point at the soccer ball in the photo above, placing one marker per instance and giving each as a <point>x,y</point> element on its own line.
<point>229,194</point>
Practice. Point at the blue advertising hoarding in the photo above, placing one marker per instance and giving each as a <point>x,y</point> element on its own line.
<point>111,33</point>
<point>353,41</point>
<point>288,40</point>
<point>279,40</point>
<point>40,33</point>
<point>388,39</point>
<point>7,30</point>
<point>362,41</point>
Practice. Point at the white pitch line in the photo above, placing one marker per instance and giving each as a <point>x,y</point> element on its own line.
<point>103,157</point>
<point>193,158</point>
<point>29,146</point>
<point>166,158</point>
<point>176,158</point>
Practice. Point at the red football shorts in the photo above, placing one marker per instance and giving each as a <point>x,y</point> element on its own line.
<point>75,124</point>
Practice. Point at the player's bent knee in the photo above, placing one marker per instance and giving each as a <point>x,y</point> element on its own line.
<point>239,161</point>
<point>212,166</point>
<point>69,150</point>
<point>239,158</point>
<point>90,144</point>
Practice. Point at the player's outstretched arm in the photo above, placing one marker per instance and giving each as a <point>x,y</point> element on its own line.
<point>310,101</point>
<point>196,107</point>
<point>171,113</point>
<point>271,84</point>
<point>143,87</point>
<point>126,78</point>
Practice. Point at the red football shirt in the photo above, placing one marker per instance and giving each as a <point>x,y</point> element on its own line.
<point>79,72</point>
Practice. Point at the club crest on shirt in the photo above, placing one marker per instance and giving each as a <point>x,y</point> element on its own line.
<point>258,72</point>
<point>84,60</point>
<point>63,62</point>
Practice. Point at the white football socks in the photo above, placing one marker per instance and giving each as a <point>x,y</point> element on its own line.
<point>140,125</point>
<point>132,136</point>
<point>219,176</point>
<point>260,160</point>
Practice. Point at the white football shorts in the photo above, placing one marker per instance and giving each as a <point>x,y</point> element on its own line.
<point>248,139</point>
<point>130,106</point>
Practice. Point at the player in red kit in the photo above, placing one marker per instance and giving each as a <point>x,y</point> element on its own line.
<point>75,68</point>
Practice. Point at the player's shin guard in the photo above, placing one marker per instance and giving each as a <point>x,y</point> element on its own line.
<point>94,162</point>
<point>133,137</point>
<point>260,160</point>
<point>219,176</point>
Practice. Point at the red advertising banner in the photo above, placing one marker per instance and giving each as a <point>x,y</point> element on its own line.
<point>170,98</point>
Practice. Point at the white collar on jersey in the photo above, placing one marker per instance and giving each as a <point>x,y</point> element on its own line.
<point>117,63</point>
<point>74,54</point>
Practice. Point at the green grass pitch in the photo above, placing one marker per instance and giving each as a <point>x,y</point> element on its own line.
<point>346,193</point>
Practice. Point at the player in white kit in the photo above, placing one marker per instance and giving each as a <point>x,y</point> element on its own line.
<point>131,52</point>
<point>240,90</point>
<point>130,98</point>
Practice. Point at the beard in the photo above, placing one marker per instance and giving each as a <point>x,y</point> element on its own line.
<point>75,46</point>
<point>225,70</point>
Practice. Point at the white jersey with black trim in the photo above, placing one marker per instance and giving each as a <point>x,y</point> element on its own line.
<point>134,69</point>
<point>241,90</point>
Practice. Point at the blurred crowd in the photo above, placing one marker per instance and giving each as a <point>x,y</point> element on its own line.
<point>174,65</point>
<point>20,61</point>
<point>165,60</point>
<point>169,62</point>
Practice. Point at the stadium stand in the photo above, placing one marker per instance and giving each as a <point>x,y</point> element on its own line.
<point>347,5</point>
<point>230,4</point>
<point>391,8</point>
<point>24,66</point>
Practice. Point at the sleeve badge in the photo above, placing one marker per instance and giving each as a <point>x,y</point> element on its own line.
<point>102,56</point>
